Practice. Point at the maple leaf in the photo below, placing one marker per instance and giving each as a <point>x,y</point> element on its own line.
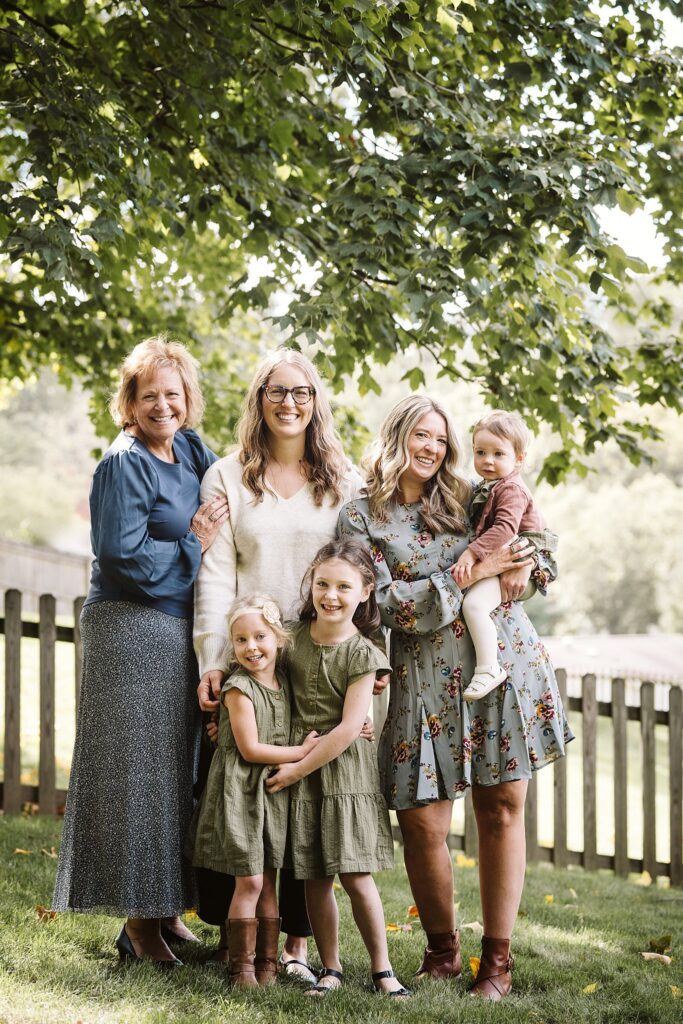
<point>44,914</point>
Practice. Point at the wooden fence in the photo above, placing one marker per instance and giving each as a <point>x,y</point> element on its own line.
<point>48,798</point>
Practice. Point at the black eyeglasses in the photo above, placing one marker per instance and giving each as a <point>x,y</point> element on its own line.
<point>276,393</point>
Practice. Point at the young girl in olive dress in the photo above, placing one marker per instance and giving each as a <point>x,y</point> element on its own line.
<point>240,829</point>
<point>339,823</point>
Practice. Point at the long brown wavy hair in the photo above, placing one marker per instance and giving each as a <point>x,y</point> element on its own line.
<point>324,456</point>
<point>442,505</point>
<point>366,617</point>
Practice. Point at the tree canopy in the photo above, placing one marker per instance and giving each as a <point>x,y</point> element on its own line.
<point>412,173</point>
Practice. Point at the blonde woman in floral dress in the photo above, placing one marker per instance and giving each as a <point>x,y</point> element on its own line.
<point>435,745</point>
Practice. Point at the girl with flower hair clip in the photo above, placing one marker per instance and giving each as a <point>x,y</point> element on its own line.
<point>240,829</point>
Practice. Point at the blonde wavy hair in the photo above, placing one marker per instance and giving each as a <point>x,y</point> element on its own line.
<point>153,354</point>
<point>446,494</point>
<point>264,604</point>
<point>324,456</point>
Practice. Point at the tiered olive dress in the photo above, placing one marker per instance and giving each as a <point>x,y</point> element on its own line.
<point>240,829</point>
<point>338,817</point>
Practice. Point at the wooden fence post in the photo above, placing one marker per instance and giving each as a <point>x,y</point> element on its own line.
<point>620,722</point>
<point>471,843</point>
<point>647,727</point>
<point>12,771</point>
<point>590,730</point>
<point>560,790</point>
<point>531,821</point>
<point>47,793</point>
<point>676,783</point>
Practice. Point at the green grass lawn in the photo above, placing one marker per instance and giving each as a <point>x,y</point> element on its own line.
<point>576,930</point>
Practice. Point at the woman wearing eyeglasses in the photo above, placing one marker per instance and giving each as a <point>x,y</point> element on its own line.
<point>285,486</point>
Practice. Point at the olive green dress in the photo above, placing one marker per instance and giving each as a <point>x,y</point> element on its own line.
<point>240,829</point>
<point>338,818</point>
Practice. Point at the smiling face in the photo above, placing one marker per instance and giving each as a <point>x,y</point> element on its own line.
<point>337,588</point>
<point>426,450</point>
<point>287,420</point>
<point>159,407</point>
<point>494,457</point>
<point>254,643</point>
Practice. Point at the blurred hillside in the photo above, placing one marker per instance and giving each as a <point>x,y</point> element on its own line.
<point>621,529</point>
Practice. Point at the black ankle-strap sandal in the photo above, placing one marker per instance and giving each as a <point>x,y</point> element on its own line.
<point>402,991</point>
<point>324,990</point>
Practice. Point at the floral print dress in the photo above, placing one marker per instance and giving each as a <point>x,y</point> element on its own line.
<point>433,744</point>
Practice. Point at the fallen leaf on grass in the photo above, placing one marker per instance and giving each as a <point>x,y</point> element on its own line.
<point>412,911</point>
<point>660,945</point>
<point>549,898</point>
<point>659,957</point>
<point>645,879</point>
<point>44,914</point>
<point>474,965</point>
<point>24,853</point>
<point>593,987</point>
<point>393,926</point>
<point>573,894</point>
<point>52,853</point>
<point>676,992</point>
<point>463,861</point>
<point>474,926</point>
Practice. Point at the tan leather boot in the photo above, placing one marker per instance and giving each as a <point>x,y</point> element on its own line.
<point>242,950</point>
<point>494,977</point>
<point>266,949</point>
<point>441,956</point>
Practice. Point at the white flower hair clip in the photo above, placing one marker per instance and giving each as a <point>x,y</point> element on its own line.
<point>271,613</point>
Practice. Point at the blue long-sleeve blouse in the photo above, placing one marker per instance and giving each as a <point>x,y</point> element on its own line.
<point>141,509</point>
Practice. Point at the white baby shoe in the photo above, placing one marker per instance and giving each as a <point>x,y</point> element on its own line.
<point>485,679</point>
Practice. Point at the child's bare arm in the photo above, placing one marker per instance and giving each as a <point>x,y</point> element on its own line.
<point>333,743</point>
<point>243,723</point>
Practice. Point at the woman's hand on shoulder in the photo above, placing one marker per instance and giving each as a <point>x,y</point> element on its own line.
<point>209,689</point>
<point>208,520</point>
<point>285,775</point>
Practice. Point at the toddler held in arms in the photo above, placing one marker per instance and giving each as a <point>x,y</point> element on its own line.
<point>502,507</point>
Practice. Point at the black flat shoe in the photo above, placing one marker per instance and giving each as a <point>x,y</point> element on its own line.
<point>168,935</point>
<point>380,991</point>
<point>324,990</point>
<point>127,952</point>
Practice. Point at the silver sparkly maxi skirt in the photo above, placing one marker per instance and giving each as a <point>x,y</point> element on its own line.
<point>130,792</point>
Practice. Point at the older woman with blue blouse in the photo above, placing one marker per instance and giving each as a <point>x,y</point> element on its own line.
<point>434,745</point>
<point>130,792</point>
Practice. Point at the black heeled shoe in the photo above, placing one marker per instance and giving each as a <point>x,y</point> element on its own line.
<point>168,935</point>
<point>127,952</point>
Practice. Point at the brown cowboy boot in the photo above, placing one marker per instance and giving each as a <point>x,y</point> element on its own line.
<point>494,977</point>
<point>266,949</point>
<point>441,956</point>
<point>242,949</point>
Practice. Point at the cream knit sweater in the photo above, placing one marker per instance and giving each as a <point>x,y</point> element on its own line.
<point>264,547</point>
